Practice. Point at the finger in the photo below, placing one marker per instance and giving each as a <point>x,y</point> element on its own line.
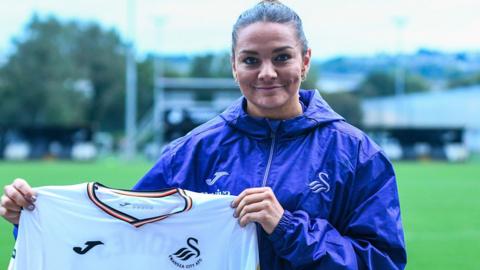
<point>268,219</point>
<point>252,217</point>
<point>23,187</point>
<point>12,217</point>
<point>255,207</point>
<point>15,197</point>
<point>9,205</point>
<point>256,195</point>
<point>250,199</point>
<point>247,192</point>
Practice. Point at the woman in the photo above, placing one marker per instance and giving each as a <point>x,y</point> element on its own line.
<point>323,194</point>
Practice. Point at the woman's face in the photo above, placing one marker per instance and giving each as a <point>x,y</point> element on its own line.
<point>268,65</point>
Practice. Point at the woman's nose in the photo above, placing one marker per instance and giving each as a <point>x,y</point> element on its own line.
<point>267,72</point>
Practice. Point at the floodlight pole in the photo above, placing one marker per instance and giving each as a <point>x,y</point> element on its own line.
<point>159,92</point>
<point>159,104</point>
<point>400,23</point>
<point>131,86</point>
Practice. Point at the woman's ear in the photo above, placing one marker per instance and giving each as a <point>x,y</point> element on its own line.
<point>234,69</point>
<point>306,62</point>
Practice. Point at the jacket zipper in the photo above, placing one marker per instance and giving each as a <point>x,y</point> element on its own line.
<point>269,163</point>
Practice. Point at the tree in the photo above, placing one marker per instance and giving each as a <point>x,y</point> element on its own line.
<point>211,66</point>
<point>379,84</point>
<point>64,73</point>
<point>347,105</point>
<point>38,78</point>
<point>99,57</point>
<point>469,80</point>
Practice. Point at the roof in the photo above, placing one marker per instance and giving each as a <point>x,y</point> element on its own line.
<point>459,107</point>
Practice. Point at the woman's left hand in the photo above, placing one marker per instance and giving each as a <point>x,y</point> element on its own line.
<point>258,205</point>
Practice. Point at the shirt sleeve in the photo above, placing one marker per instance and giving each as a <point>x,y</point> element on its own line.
<point>11,264</point>
<point>28,247</point>
<point>370,237</point>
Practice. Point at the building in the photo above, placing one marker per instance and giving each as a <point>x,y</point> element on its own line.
<point>448,109</point>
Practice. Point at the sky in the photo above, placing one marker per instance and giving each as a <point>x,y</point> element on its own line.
<point>333,28</point>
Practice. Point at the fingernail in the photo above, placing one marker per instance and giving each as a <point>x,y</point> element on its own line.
<point>31,207</point>
<point>232,204</point>
<point>34,198</point>
<point>234,214</point>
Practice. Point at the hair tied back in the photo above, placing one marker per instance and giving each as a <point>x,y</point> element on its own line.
<point>270,2</point>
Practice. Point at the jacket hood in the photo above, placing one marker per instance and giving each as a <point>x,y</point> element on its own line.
<point>316,112</point>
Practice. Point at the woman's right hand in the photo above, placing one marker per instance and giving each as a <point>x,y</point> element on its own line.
<point>16,196</point>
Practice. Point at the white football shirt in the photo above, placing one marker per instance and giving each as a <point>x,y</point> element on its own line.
<point>90,226</point>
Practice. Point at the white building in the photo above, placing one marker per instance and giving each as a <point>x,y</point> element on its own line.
<point>452,108</point>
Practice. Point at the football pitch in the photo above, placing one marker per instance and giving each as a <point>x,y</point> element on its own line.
<point>440,204</point>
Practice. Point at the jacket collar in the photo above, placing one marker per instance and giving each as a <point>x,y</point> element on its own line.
<point>317,112</point>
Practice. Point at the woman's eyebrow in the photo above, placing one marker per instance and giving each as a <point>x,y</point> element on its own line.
<point>274,50</point>
<point>282,48</point>
<point>248,52</point>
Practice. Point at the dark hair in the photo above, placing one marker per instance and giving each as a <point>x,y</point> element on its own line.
<point>270,11</point>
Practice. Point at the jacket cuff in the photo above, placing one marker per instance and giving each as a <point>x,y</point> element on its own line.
<point>285,224</point>
<point>15,231</point>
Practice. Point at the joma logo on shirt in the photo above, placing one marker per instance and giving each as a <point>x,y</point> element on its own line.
<point>136,206</point>
<point>90,245</point>
<point>217,176</point>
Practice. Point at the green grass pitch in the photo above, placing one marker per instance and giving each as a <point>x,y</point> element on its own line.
<point>440,204</point>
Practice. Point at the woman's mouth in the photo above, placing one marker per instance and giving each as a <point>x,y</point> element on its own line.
<point>267,87</point>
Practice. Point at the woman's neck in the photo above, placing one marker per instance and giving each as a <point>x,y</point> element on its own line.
<point>288,111</point>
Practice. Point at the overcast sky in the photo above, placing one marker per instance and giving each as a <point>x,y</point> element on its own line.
<point>340,27</point>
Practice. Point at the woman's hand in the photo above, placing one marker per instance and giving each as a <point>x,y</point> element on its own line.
<point>258,205</point>
<point>16,196</point>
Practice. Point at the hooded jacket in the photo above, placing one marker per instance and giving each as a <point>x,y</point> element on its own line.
<point>337,187</point>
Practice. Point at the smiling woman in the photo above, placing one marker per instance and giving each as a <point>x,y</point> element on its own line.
<point>269,65</point>
<point>323,195</point>
<point>270,57</point>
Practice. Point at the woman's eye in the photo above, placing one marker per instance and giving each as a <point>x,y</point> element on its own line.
<point>282,57</point>
<point>250,60</point>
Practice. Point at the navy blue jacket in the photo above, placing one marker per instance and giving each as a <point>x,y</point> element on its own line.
<point>337,187</point>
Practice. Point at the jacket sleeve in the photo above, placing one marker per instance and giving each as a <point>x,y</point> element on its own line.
<point>15,231</point>
<point>370,235</point>
<point>158,177</point>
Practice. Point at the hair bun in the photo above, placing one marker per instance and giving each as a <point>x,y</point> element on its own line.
<point>270,2</point>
